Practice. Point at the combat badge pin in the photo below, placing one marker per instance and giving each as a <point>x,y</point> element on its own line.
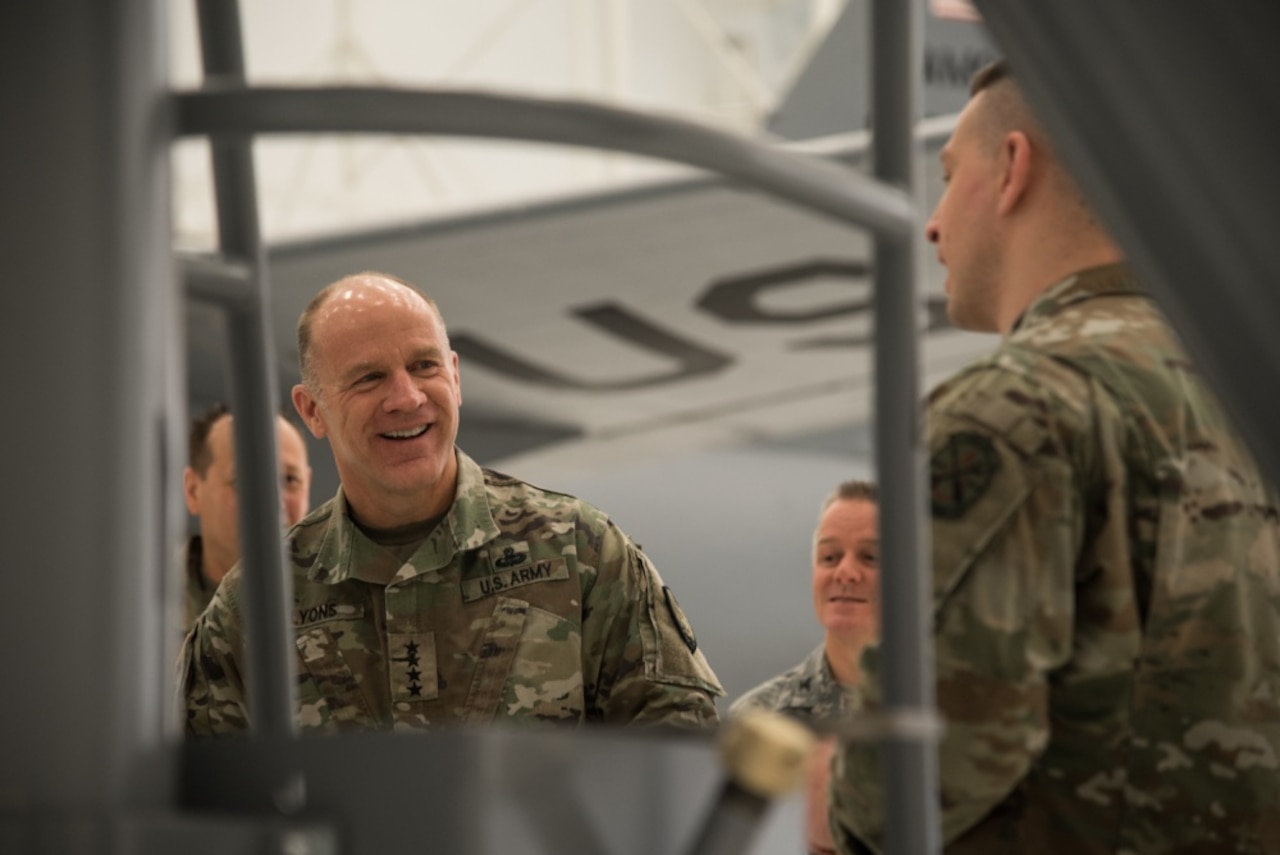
<point>960,472</point>
<point>682,623</point>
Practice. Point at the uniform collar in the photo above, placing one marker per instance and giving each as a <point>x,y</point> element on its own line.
<point>1108,280</point>
<point>469,524</point>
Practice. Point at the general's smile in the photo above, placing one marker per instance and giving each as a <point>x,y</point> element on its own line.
<point>406,433</point>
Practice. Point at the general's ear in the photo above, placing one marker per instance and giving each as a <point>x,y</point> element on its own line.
<point>308,410</point>
<point>1015,177</point>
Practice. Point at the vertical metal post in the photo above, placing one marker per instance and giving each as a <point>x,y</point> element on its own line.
<point>910,766</point>
<point>268,591</point>
<point>88,373</point>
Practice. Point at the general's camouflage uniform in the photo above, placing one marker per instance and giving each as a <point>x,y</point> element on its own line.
<point>808,692</point>
<point>199,590</point>
<point>522,604</point>
<point>1106,598</point>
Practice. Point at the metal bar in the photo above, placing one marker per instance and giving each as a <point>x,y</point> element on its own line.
<point>226,284</point>
<point>732,823</point>
<point>809,182</point>
<point>91,466</point>
<point>910,762</point>
<point>267,590</point>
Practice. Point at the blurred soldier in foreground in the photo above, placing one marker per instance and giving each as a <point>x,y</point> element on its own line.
<point>430,591</point>
<point>1106,590</point>
<point>825,686</point>
<point>209,486</point>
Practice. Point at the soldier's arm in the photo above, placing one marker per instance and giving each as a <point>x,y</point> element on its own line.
<point>210,670</point>
<point>644,658</point>
<point>1007,525</point>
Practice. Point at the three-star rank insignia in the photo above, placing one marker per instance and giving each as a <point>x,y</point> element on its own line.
<point>681,622</point>
<point>960,472</point>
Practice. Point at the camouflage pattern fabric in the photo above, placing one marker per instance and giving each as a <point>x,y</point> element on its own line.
<point>522,605</point>
<point>199,591</point>
<point>1106,595</point>
<point>808,692</point>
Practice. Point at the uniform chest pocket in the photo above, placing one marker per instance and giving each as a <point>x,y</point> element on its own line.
<point>329,696</point>
<point>529,667</point>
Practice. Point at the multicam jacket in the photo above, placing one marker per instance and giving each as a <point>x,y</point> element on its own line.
<point>1106,596</point>
<point>522,604</point>
<point>808,692</point>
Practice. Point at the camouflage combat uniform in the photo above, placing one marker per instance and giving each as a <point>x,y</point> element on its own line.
<point>808,692</point>
<point>1106,595</point>
<point>522,604</point>
<point>199,590</point>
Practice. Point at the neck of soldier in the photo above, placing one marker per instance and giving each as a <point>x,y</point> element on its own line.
<point>1045,250</point>
<point>215,564</point>
<point>385,510</point>
<point>844,654</point>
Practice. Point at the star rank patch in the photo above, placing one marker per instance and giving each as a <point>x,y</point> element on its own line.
<point>960,473</point>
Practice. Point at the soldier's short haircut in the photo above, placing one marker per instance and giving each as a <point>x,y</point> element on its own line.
<point>853,490</point>
<point>199,455</point>
<point>989,75</point>
<point>305,366</point>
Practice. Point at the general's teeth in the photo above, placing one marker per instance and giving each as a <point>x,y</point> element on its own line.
<point>407,432</point>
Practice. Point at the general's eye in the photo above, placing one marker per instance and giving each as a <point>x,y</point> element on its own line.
<point>366,379</point>
<point>829,559</point>
<point>871,559</point>
<point>424,366</point>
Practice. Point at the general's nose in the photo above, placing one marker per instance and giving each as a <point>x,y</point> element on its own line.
<point>404,393</point>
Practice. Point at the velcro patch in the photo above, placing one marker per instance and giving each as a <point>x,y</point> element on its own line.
<point>682,623</point>
<point>542,570</point>
<point>960,472</point>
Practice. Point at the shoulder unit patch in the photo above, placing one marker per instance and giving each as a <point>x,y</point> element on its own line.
<point>960,472</point>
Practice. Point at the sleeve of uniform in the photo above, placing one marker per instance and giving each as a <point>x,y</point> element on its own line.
<point>639,649</point>
<point>1007,523</point>
<point>213,685</point>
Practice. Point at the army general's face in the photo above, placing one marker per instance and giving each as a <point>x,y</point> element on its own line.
<point>388,398</point>
<point>846,570</point>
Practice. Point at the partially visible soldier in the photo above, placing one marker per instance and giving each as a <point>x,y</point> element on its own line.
<point>825,686</point>
<point>1106,554</point>
<point>209,486</point>
<point>430,591</point>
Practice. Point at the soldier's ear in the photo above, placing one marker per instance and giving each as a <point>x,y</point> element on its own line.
<point>308,410</point>
<point>1015,170</point>
<point>190,487</point>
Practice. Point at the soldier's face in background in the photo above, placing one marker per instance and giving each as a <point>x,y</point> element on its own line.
<point>846,570</point>
<point>295,473</point>
<point>388,400</point>
<point>964,225</point>
<point>213,498</point>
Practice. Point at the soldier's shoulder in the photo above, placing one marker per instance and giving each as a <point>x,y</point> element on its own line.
<point>512,494</point>
<point>1016,389</point>
<point>774,694</point>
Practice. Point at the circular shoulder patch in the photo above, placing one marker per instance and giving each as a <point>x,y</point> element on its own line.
<point>960,472</point>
